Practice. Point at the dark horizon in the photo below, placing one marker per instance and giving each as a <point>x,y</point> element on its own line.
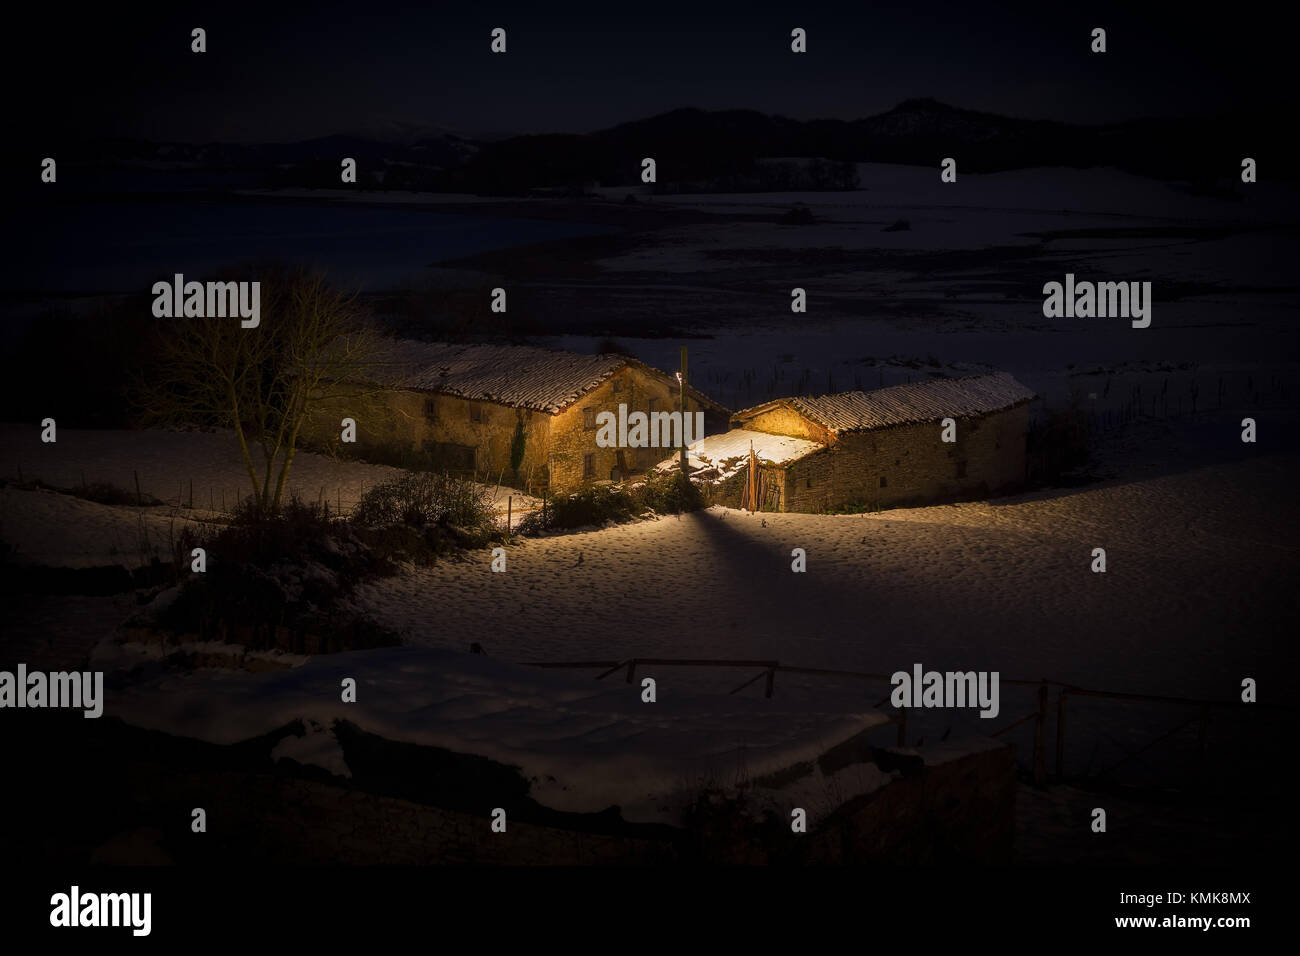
<point>280,76</point>
<point>404,132</point>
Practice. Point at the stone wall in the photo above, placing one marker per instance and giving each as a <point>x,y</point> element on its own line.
<point>729,492</point>
<point>571,440</point>
<point>909,464</point>
<point>486,427</point>
<point>465,434</point>
<point>555,446</point>
<point>782,420</point>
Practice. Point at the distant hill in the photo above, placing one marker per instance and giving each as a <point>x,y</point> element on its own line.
<point>724,149</point>
<point>715,146</point>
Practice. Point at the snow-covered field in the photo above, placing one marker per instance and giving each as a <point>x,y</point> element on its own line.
<point>582,746</point>
<point>1197,594</point>
<point>1198,590</point>
<point>1004,585</point>
<point>58,529</point>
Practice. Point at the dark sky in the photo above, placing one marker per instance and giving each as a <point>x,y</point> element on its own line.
<point>286,71</point>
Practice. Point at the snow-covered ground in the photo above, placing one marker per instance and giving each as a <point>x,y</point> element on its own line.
<point>1198,591</point>
<point>57,529</point>
<point>1004,585</point>
<point>1197,594</point>
<point>582,746</point>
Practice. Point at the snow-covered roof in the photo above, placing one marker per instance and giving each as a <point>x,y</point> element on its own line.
<point>905,404</point>
<point>521,376</point>
<point>547,380</point>
<point>716,458</point>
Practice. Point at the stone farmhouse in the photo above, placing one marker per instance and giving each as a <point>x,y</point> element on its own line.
<point>870,450</point>
<point>474,408</point>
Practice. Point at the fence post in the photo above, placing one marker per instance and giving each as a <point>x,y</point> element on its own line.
<point>1040,731</point>
<point>1060,736</point>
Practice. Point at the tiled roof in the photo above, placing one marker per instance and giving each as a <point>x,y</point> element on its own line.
<point>521,376</point>
<point>905,404</point>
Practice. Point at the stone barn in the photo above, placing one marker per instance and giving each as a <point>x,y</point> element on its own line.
<point>869,450</point>
<point>477,409</point>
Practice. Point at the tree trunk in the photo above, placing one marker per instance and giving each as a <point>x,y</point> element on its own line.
<point>243,442</point>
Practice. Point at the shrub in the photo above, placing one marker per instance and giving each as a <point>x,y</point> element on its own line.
<point>668,493</point>
<point>597,504</point>
<point>288,568</point>
<point>420,499</point>
<point>590,506</point>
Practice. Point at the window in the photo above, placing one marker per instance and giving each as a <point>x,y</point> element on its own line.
<point>588,466</point>
<point>431,409</point>
<point>652,404</point>
<point>618,385</point>
<point>961,469</point>
<point>589,419</point>
<point>475,412</point>
<point>807,482</point>
<point>883,482</point>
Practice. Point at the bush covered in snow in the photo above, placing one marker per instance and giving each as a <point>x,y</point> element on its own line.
<point>664,493</point>
<point>292,568</point>
<point>422,500</point>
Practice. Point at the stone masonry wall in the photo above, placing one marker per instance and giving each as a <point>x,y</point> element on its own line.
<point>909,464</point>
<point>571,440</point>
<point>784,421</point>
<point>412,419</point>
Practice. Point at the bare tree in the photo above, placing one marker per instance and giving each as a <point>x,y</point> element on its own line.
<point>311,348</point>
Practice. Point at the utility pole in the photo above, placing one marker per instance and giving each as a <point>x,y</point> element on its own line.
<point>681,404</point>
